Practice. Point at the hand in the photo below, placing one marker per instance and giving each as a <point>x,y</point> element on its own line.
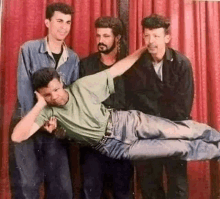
<point>51,124</point>
<point>40,100</point>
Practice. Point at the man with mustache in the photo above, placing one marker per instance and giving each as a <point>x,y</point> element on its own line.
<point>43,158</point>
<point>106,171</point>
<point>161,84</point>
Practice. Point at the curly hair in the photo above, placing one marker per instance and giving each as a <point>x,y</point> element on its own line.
<point>156,21</point>
<point>110,22</point>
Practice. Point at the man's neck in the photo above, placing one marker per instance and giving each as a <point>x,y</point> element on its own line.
<point>54,45</point>
<point>109,59</point>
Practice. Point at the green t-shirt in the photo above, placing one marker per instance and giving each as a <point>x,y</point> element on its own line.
<point>83,117</point>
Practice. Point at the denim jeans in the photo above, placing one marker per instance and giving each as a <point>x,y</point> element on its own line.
<point>137,136</point>
<point>41,158</point>
<point>103,173</point>
<point>150,173</point>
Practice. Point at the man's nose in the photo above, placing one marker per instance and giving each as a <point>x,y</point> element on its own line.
<point>151,39</point>
<point>100,39</point>
<point>64,26</point>
<point>54,96</point>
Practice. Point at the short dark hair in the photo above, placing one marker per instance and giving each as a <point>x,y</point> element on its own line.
<point>156,21</point>
<point>61,7</point>
<point>110,22</point>
<point>42,77</point>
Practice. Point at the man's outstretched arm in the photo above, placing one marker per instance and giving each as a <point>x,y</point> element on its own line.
<point>123,65</point>
<point>27,126</point>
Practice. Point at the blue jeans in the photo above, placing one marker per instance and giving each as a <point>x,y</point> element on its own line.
<point>100,171</point>
<point>41,158</point>
<point>137,136</point>
<point>150,173</point>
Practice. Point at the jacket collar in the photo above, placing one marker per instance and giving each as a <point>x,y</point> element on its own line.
<point>44,48</point>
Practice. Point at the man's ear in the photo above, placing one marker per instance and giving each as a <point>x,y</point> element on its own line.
<point>118,37</point>
<point>47,22</point>
<point>167,38</point>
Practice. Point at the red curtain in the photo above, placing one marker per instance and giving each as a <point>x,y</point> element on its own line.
<point>195,32</point>
<point>22,21</point>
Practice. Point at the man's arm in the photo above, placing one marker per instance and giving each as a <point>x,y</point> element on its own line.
<point>179,103</point>
<point>123,65</point>
<point>185,93</point>
<point>24,85</point>
<point>27,126</point>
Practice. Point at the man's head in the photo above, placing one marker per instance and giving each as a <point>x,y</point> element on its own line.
<point>47,82</point>
<point>156,33</point>
<point>58,20</point>
<point>109,31</point>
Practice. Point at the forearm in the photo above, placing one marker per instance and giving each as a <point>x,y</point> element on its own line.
<point>25,128</point>
<point>123,65</point>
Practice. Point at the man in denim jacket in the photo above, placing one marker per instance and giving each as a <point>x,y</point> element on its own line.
<point>43,158</point>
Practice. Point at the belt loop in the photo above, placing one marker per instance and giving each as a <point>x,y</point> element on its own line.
<point>109,127</point>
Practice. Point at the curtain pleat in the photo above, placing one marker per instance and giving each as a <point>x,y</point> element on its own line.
<point>195,32</point>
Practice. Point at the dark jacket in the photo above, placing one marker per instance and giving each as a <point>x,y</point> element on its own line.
<point>91,65</point>
<point>171,98</point>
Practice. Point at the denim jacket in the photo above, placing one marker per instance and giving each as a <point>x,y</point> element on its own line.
<point>35,55</point>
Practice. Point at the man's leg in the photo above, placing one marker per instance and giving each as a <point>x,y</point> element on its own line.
<point>24,166</point>
<point>177,179</point>
<point>93,170</point>
<point>150,173</point>
<point>121,171</point>
<point>25,173</point>
<point>56,168</point>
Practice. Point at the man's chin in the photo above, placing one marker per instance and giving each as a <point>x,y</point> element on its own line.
<point>152,51</point>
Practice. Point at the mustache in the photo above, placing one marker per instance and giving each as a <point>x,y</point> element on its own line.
<point>150,46</point>
<point>101,44</point>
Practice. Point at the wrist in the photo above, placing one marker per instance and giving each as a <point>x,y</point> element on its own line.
<point>40,105</point>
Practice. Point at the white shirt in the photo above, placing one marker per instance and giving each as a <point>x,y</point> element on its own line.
<point>158,69</point>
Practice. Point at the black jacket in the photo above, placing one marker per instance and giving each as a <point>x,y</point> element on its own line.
<point>91,65</point>
<point>171,98</point>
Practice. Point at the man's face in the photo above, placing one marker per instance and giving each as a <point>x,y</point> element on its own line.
<point>59,25</point>
<point>54,94</point>
<point>156,40</point>
<point>105,40</point>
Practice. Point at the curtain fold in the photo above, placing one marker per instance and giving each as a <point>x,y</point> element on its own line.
<point>194,30</point>
<point>195,33</point>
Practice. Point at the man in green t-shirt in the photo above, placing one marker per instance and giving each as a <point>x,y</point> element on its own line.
<point>117,134</point>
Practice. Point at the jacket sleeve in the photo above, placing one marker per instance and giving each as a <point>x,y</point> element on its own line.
<point>179,103</point>
<point>24,83</point>
<point>75,74</point>
<point>82,71</point>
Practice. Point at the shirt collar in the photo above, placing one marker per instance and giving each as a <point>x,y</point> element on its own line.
<point>45,48</point>
<point>168,55</point>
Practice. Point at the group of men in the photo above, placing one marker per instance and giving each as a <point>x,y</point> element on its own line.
<point>159,83</point>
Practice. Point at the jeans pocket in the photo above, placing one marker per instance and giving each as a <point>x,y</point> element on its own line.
<point>101,147</point>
